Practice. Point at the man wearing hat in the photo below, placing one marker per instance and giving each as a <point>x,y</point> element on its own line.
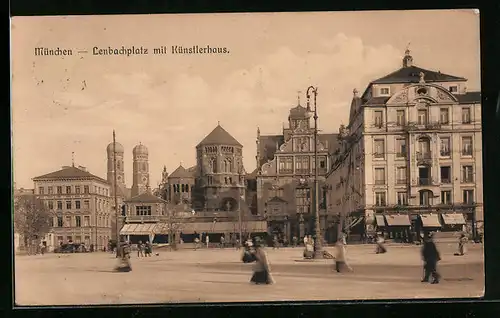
<point>431,257</point>
<point>261,269</point>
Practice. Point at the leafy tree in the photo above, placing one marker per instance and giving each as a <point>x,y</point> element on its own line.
<point>32,219</point>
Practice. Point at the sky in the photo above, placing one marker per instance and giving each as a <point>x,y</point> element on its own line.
<point>169,103</point>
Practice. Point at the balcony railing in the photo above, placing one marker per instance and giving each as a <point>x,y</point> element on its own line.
<point>379,182</point>
<point>424,155</point>
<point>424,125</point>
<point>424,181</point>
<point>445,180</point>
<point>401,181</point>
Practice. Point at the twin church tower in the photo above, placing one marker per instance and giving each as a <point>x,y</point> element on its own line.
<point>140,182</point>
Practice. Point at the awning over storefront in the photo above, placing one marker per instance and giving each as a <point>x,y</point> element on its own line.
<point>161,228</point>
<point>223,227</point>
<point>430,220</point>
<point>380,220</point>
<point>138,229</point>
<point>398,220</point>
<point>453,219</point>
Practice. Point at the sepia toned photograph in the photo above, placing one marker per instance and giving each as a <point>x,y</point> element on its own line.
<point>246,157</point>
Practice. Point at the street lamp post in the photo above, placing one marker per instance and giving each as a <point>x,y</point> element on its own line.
<point>318,244</point>
<point>114,191</point>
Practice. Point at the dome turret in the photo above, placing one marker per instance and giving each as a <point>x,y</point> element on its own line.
<point>140,149</point>
<point>119,148</point>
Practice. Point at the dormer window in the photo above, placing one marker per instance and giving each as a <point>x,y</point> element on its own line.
<point>384,91</point>
<point>453,89</point>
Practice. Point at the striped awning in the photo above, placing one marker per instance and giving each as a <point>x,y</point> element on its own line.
<point>398,220</point>
<point>453,218</point>
<point>379,218</point>
<point>138,229</point>
<point>430,220</point>
<point>161,228</point>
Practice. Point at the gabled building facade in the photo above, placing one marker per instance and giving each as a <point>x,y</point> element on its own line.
<point>412,156</point>
<point>284,176</point>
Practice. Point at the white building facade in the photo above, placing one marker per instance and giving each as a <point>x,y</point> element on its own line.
<point>81,206</point>
<point>414,156</point>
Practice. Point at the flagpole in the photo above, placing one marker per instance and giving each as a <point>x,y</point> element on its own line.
<point>114,190</point>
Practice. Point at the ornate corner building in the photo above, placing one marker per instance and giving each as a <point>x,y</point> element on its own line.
<point>411,156</point>
<point>284,183</point>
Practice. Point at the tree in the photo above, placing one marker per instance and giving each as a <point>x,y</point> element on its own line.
<point>32,219</point>
<point>173,225</point>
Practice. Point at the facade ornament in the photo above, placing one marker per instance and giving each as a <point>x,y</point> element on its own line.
<point>422,75</point>
<point>355,93</point>
<point>402,97</point>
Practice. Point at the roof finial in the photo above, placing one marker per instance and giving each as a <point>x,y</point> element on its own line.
<point>355,92</point>
<point>407,59</point>
<point>298,98</point>
<point>422,75</point>
<point>72,158</point>
<point>218,123</point>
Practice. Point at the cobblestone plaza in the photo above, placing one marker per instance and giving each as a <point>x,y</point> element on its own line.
<point>217,275</point>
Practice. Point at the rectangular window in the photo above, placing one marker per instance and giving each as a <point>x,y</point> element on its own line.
<point>86,204</point>
<point>77,204</point>
<point>400,148</point>
<point>425,198</point>
<point>51,205</point>
<point>384,91</point>
<point>86,189</point>
<point>380,199</point>
<point>86,220</point>
<point>59,205</point>
<point>445,174</point>
<point>143,210</point>
<point>401,175</point>
<point>40,190</point>
<point>68,221</point>
<point>286,165</point>
<point>59,190</point>
<point>467,146</point>
<point>467,174</point>
<point>453,89</point>
<point>468,196</point>
<point>59,221</point>
<point>78,239</point>
<point>400,118</point>
<point>78,220</point>
<point>302,200</point>
<point>302,165</point>
<point>444,116</point>
<point>68,189</point>
<point>445,146</point>
<point>446,197</point>
<point>466,115</point>
<point>276,192</point>
<point>378,118</point>
<point>50,190</point>
<point>68,205</point>
<point>379,176</point>
<point>422,117</point>
<point>77,189</point>
<point>379,148</point>
<point>402,198</point>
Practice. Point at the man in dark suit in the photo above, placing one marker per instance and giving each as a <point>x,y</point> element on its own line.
<point>431,257</point>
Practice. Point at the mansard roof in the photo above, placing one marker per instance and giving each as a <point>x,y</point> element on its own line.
<point>219,136</point>
<point>411,74</point>
<point>70,173</point>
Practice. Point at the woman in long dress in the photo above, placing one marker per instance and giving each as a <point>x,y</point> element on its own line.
<point>261,269</point>
<point>462,248</point>
<point>340,258</point>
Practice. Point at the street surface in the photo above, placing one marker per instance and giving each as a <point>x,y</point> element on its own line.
<point>217,275</point>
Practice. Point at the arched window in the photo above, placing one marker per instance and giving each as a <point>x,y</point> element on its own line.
<point>186,187</point>
<point>227,165</point>
<point>118,165</point>
<point>426,197</point>
<point>213,165</point>
<point>182,188</point>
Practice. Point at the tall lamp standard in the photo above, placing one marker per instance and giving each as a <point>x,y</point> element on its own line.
<point>114,191</point>
<point>318,244</point>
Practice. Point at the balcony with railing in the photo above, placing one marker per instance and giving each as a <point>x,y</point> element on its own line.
<point>401,181</point>
<point>424,181</point>
<point>422,126</point>
<point>380,182</point>
<point>424,155</point>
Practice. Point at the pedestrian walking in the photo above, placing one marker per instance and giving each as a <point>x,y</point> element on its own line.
<point>380,244</point>
<point>431,257</point>
<point>294,241</point>
<point>261,269</point>
<point>140,248</point>
<point>222,241</point>
<point>124,264</point>
<point>148,249</point>
<point>462,241</point>
<point>340,257</point>
<point>196,243</point>
<point>207,240</point>
<point>275,242</point>
<point>305,240</point>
